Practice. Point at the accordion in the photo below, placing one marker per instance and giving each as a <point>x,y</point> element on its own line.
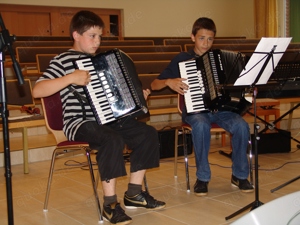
<point>115,90</point>
<point>204,75</point>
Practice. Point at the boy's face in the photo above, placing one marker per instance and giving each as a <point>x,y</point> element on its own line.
<point>203,41</point>
<point>89,41</point>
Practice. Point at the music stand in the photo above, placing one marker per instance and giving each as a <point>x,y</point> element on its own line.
<point>283,70</point>
<point>257,72</point>
<point>6,44</point>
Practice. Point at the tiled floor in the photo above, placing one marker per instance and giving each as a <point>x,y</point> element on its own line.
<point>71,200</point>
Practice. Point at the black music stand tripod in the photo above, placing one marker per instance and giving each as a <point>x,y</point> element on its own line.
<point>264,74</point>
<point>6,43</point>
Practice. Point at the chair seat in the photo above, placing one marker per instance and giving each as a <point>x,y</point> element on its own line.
<point>214,128</point>
<point>69,143</point>
<point>186,125</point>
<point>213,125</point>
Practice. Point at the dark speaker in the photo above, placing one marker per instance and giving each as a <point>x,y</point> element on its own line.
<point>167,143</point>
<point>278,142</point>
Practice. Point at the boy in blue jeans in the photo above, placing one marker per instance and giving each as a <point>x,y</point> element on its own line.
<point>203,34</point>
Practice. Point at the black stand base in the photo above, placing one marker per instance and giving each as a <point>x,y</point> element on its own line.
<point>256,203</point>
<point>285,184</point>
<point>252,205</point>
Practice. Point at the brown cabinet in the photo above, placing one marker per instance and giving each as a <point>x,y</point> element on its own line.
<point>23,20</point>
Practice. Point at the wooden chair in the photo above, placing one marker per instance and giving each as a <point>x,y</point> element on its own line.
<point>152,56</point>
<point>186,129</point>
<point>26,56</point>
<point>148,67</point>
<point>143,48</point>
<point>43,61</point>
<point>52,108</point>
<point>18,96</point>
<point>181,41</point>
<point>126,43</point>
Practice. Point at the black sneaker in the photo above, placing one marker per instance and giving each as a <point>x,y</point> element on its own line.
<point>244,185</point>
<point>143,200</point>
<point>115,214</point>
<point>200,188</point>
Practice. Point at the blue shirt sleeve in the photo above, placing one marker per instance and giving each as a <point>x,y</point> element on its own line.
<point>172,70</point>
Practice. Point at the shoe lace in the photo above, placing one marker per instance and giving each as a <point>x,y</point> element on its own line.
<point>148,197</point>
<point>245,183</point>
<point>119,210</point>
<point>119,214</point>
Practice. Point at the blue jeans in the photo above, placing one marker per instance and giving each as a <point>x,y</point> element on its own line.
<point>231,122</point>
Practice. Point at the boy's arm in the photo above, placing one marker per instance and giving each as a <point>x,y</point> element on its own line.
<point>175,84</point>
<point>46,88</point>
<point>158,84</point>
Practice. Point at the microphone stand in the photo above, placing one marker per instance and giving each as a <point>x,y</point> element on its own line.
<point>256,203</point>
<point>6,42</point>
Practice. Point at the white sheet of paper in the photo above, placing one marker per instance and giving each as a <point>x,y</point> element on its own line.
<point>258,58</point>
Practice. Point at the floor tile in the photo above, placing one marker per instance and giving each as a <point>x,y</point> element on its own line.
<point>71,198</point>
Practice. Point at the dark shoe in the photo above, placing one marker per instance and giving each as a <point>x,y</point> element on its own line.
<point>143,200</point>
<point>200,188</point>
<point>244,185</point>
<point>115,214</point>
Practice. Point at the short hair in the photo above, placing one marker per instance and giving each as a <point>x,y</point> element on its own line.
<point>84,20</point>
<point>204,23</point>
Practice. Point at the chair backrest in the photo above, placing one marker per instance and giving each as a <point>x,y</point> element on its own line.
<point>52,109</point>
<point>180,103</point>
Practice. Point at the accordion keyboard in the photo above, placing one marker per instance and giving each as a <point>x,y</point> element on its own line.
<point>97,95</point>
<point>194,95</point>
<point>115,90</point>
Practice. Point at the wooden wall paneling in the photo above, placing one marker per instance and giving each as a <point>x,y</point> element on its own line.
<point>60,22</point>
<point>106,20</point>
<point>34,23</point>
<point>27,23</point>
<point>10,21</point>
<point>28,20</point>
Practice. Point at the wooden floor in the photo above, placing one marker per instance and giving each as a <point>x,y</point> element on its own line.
<point>71,200</point>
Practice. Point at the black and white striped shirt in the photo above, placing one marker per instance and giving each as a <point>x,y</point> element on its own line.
<point>60,66</point>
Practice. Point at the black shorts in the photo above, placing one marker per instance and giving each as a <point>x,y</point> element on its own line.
<point>110,140</point>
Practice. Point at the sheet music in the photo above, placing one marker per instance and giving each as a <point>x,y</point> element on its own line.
<point>258,58</point>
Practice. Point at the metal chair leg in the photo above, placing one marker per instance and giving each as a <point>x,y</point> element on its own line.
<point>49,180</point>
<point>176,152</point>
<point>94,184</point>
<point>184,132</point>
